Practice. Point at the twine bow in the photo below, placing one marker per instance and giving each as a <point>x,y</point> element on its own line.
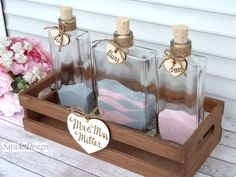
<point>62,32</point>
<point>117,47</point>
<point>177,59</point>
<point>92,115</point>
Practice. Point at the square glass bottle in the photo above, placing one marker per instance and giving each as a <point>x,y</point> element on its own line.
<point>126,88</point>
<point>72,63</point>
<point>181,88</point>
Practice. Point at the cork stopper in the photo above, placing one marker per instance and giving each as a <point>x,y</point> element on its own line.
<point>66,13</point>
<point>122,25</point>
<point>180,34</point>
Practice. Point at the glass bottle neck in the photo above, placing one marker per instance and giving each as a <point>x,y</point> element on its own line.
<point>183,50</point>
<point>124,41</point>
<point>67,25</point>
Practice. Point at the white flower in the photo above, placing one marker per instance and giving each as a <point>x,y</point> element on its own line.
<point>7,54</point>
<point>35,75</point>
<point>27,46</point>
<point>2,50</point>
<point>7,59</point>
<point>20,57</point>
<point>38,73</point>
<point>17,48</point>
<point>28,77</point>
<point>5,42</point>
<point>7,63</point>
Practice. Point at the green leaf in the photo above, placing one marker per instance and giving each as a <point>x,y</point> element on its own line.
<point>23,81</point>
<point>25,87</point>
<point>15,87</point>
<point>18,79</point>
<point>20,85</point>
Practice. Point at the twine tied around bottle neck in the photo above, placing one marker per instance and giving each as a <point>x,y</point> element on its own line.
<point>118,48</point>
<point>124,41</point>
<point>178,55</point>
<point>63,28</point>
<point>93,115</point>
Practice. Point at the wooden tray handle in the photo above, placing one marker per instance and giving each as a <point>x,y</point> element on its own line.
<point>207,128</point>
<point>205,137</point>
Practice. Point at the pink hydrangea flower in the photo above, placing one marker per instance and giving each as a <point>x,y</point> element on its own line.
<point>5,83</point>
<point>9,104</point>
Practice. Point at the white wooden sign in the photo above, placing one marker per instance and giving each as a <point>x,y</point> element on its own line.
<point>91,134</point>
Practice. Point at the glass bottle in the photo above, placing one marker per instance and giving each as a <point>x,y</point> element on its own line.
<point>126,87</point>
<point>181,88</point>
<point>72,63</point>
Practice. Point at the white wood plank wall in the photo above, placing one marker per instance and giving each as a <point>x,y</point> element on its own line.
<point>212,29</point>
<point>2,23</point>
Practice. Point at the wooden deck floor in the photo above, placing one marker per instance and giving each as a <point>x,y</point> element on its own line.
<point>60,161</point>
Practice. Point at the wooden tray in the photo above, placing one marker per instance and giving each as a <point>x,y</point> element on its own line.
<point>130,149</point>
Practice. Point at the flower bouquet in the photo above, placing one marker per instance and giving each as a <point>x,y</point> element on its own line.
<point>23,61</point>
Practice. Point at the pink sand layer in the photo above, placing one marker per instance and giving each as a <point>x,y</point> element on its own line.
<point>118,96</point>
<point>176,126</point>
<point>118,117</point>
